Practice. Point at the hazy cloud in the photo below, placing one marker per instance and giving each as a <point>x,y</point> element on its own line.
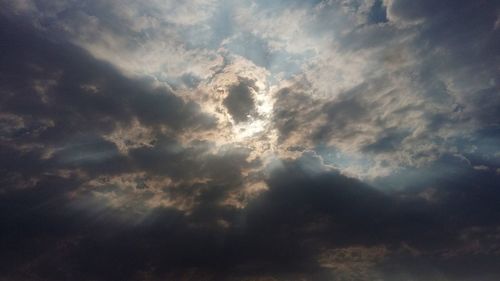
<point>249,140</point>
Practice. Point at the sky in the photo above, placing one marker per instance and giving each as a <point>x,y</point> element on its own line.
<point>251,140</point>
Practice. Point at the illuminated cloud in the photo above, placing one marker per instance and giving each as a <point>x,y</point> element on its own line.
<point>249,140</point>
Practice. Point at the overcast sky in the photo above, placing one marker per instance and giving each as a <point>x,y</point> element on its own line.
<point>252,140</point>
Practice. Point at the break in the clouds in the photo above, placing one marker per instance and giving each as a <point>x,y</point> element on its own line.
<point>250,140</point>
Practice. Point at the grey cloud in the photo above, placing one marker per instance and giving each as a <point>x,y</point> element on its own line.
<point>293,108</point>
<point>341,115</point>
<point>194,161</point>
<point>66,103</point>
<point>92,99</point>
<point>105,176</point>
<point>454,32</point>
<point>280,233</point>
<point>240,101</point>
<point>389,142</point>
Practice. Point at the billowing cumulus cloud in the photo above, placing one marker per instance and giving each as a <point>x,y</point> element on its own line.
<point>249,140</point>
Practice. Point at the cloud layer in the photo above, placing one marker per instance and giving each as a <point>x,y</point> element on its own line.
<point>250,140</point>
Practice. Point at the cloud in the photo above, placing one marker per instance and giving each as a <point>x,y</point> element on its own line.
<point>240,102</point>
<point>292,140</point>
<point>300,226</point>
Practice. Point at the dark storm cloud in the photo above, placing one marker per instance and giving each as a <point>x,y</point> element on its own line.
<point>84,101</point>
<point>240,101</point>
<point>81,99</point>
<point>280,233</point>
<point>83,95</point>
<point>330,210</point>
<point>467,30</point>
<point>219,173</point>
<point>76,180</point>
<point>58,103</point>
<point>468,34</point>
<point>265,238</point>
